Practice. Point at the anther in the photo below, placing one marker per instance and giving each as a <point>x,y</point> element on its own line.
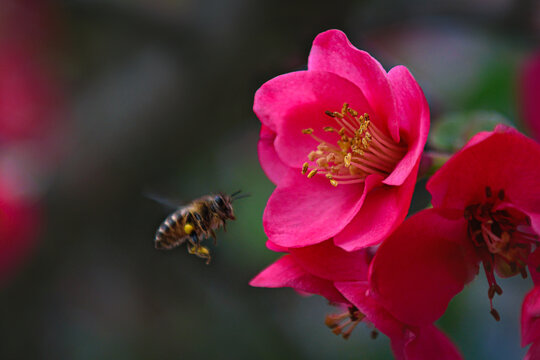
<point>495,315</point>
<point>312,173</point>
<point>347,159</point>
<point>305,168</point>
<point>330,113</point>
<point>307,131</point>
<point>329,129</point>
<point>333,182</point>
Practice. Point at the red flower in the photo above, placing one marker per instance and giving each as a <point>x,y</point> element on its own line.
<point>341,277</point>
<point>530,324</point>
<point>342,141</point>
<point>486,202</point>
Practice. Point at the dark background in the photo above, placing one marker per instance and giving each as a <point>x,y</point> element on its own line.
<point>159,100</point>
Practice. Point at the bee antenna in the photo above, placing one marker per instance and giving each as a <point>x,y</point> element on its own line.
<point>241,196</point>
<point>236,193</point>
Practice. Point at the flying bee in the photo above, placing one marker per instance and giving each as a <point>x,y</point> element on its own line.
<point>195,222</point>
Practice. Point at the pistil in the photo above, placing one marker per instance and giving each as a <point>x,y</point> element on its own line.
<point>362,150</point>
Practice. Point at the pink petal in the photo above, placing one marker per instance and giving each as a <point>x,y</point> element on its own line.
<point>358,293</point>
<point>530,315</point>
<point>505,160</point>
<point>534,352</point>
<point>333,52</point>
<point>286,273</point>
<point>292,102</point>
<point>270,245</point>
<point>271,164</point>
<point>383,210</point>
<point>429,343</point>
<point>422,265</point>
<point>408,343</point>
<point>327,261</point>
<point>413,110</point>
<point>303,211</point>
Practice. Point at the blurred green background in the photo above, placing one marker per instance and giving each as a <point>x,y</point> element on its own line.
<point>159,99</point>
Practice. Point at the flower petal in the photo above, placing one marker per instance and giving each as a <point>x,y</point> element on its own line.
<point>333,52</point>
<point>271,164</point>
<point>327,261</point>
<point>408,343</point>
<point>383,210</point>
<point>505,160</point>
<point>530,316</point>
<point>304,211</point>
<point>534,352</point>
<point>413,110</point>
<point>422,265</point>
<point>358,293</point>
<point>286,273</point>
<point>427,343</point>
<point>292,102</point>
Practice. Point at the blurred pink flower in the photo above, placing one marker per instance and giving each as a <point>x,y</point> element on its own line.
<point>486,202</point>
<point>31,107</point>
<point>356,131</point>
<point>341,277</point>
<point>530,94</point>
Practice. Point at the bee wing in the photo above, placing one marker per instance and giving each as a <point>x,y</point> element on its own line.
<point>171,204</point>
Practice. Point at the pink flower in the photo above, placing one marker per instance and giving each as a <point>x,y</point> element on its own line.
<point>341,277</point>
<point>342,141</point>
<point>530,94</point>
<point>486,202</point>
<point>530,324</point>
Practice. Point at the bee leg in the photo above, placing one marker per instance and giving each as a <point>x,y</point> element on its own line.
<point>224,226</point>
<point>213,234</point>
<point>200,251</point>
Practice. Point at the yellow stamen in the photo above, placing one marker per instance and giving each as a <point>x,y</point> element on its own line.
<point>312,173</point>
<point>305,168</point>
<point>307,131</point>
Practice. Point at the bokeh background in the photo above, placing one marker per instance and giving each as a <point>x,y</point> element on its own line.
<point>104,101</point>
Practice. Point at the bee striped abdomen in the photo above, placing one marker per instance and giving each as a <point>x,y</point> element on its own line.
<point>171,232</point>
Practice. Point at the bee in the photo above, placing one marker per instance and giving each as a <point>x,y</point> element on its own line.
<point>195,222</point>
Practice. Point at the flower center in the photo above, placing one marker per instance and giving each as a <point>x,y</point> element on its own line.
<point>503,237</point>
<point>362,150</point>
<point>343,324</point>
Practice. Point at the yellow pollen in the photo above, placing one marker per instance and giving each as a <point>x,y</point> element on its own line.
<point>312,173</point>
<point>333,182</point>
<point>188,229</point>
<point>305,168</point>
<point>347,159</point>
<point>307,131</point>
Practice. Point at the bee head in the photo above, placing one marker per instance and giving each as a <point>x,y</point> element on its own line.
<point>223,204</point>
